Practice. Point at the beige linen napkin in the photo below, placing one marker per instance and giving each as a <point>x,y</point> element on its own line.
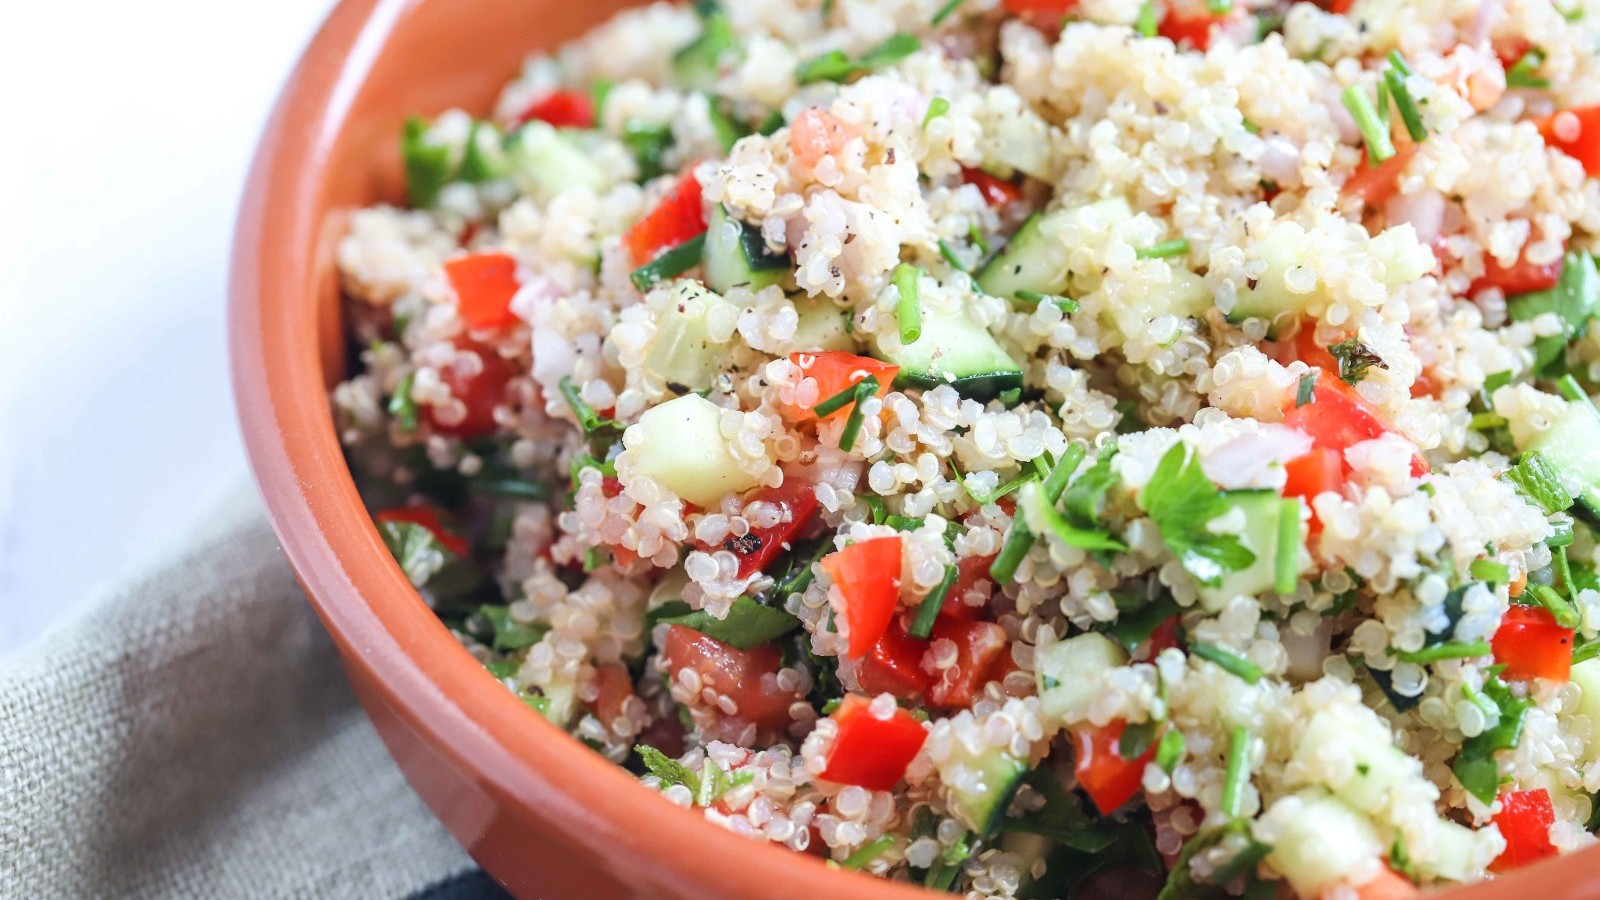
<point>192,735</point>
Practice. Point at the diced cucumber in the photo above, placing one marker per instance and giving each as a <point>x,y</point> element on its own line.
<point>1068,674</point>
<point>1324,845</point>
<point>1572,445</point>
<point>1586,675</point>
<point>1261,510</point>
<point>823,326</point>
<point>561,702</point>
<point>698,66</point>
<point>1286,243</point>
<point>1454,852</point>
<point>980,803</point>
<point>544,162</point>
<point>1036,258</point>
<point>736,255</point>
<point>953,350</point>
<point>1377,765</point>
<point>1015,138</point>
<point>683,352</point>
<point>1185,296</point>
<point>680,445</point>
<point>1028,848</point>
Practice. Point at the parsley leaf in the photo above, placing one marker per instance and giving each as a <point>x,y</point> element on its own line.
<point>1475,766</point>
<point>1085,498</point>
<point>445,575</point>
<point>1355,358</point>
<point>505,634</point>
<point>1575,300</point>
<point>748,625</point>
<point>1536,478</point>
<point>669,770</point>
<point>836,66</point>
<point>1181,500</point>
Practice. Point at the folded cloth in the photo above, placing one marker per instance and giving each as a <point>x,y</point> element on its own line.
<point>192,735</point>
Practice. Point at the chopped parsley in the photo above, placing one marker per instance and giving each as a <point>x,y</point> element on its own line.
<point>1475,766</point>
<point>937,107</point>
<point>749,624</point>
<point>1180,500</point>
<point>837,66</point>
<point>1575,300</point>
<point>1522,72</point>
<point>1306,389</point>
<point>593,424</point>
<point>504,633</point>
<point>428,564</point>
<point>1355,358</point>
<point>402,406</point>
<point>1539,481</point>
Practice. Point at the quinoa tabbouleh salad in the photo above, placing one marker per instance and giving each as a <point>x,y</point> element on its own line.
<point>1025,448</point>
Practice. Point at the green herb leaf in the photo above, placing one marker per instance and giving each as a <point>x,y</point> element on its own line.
<point>868,852</point>
<point>1575,300</point>
<point>430,566</point>
<point>1522,72</point>
<point>749,624</point>
<point>937,107</point>
<point>1228,661</point>
<point>1034,298</point>
<point>945,11</point>
<point>1181,500</point>
<point>508,633</point>
<point>1137,738</point>
<point>649,142</point>
<point>1539,481</point>
<point>593,424</point>
<point>1559,607</point>
<point>1355,358</point>
<point>1475,766</point>
<point>402,406</point>
<point>928,612</point>
<point>1040,513</point>
<point>669,770</point>
<point>670,264</point>
<point>1138,616</point>
<point>836,66</point>
<point>1491,571</point>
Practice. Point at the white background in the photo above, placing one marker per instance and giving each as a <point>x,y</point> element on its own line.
<point>125,133</point>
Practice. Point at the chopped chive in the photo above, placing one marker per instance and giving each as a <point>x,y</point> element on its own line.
<point>1238,772</point>
<point>1546,596</point>
<point>976,237</point>
<point>865,389</point>
<point>838,67</point>
<point>1374,132</point>
<point>1146,24</point>
<point>599,93</point>
<point>908,312</point>
<point>1165,249</point>
<point>1497,381</point>
<point>1020,539</point>
<point>1287,572</point>
<point>590,421</point>
<point>868,853</point>
<point>402,406</point>
<point>1250,126</point>
<point>1570,389</point>
<point>1399,63</point>
<point>1404,105</point>
<point>1486,420</point>
<point>1383,98</point>
<point>1447,650</point>
<point>950,257</point>
<point>1307,388</point>
<point>945,11</point>
<point>904,523</point>
<point>1490,571</point>
<point>1228,661</point>
<point>1170,750</point>
<point>1065,304</point>
<point>928,612</point>
<point>674,262</point>
<point>844,398</point>
<point>937,107</point>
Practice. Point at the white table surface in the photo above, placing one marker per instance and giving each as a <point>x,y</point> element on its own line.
<point>124,151</point>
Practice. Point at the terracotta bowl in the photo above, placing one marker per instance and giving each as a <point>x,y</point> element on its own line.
<point>544,815</point>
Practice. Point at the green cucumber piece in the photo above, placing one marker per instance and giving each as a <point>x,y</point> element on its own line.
<point>737,256</point>
<point>682,352</point>
<point>1262,511</point>
<point>983,806</point>
<point>957,351</point>
<point>1572,446</point>
<point>1036,260</point>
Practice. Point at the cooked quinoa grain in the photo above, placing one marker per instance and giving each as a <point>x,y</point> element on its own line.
<point>1007,445</point>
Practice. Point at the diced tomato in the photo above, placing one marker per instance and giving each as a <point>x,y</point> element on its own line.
<point>895,665</point>
<point>971,571</point>
<point>1337,418</point>
<point>816,133</point>
<point>1190,25</point>
<point>1320,470</point>
<point>1051,10</point>
<point>868,578</point>
<point>1524,818</point>
<point>746,677</point>
<point>481,392</point>
<point>980,648</point>
<point>1337,7</point>
<point>561,108</point>
<point>1531,645</point>
<point>1376,184</point>
<point>997,192</point>
<point>615,686</point>
<point>1304,347</point>
<point>428,518</point>
<point>796,500</point>
<point>484,284</point>
<point>1109,780</point>
<point>869,751</point>
<point>1522,277</point>
<point>1389,885</point>
<point>1576,132</point>
<point>1164,637</point>
<point>678,217</point>
<point>833,371</point>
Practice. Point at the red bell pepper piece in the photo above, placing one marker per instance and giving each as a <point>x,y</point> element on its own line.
<point>796,499</point>
<point>997,192</point>
<point>1337,418</point>
<point>1524,818</point>
<point>1041,13</point>
<point>1531,645</point>
<point>1337,7</point>
<point>678,217</point>
<point>868,578</point>
<point>481,392</point>
<point>1376,184</point>
<point>1192,26</point>
<point>1109,780</point>
<point>835,370</point>
<point>484,284</point>
<point>1576,132</point>
<point>561,108</point>
<point>895,665</point>
<point>1522,277</point>
<point>428,518</point>
<point>980,649</point>
<point>869,751</point>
